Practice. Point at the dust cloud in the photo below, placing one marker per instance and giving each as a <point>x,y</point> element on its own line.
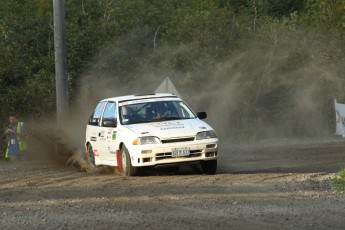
<point>272,89</point>
<point>61,146</point>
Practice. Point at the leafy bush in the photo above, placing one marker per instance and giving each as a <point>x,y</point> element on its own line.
<point>339,181</point>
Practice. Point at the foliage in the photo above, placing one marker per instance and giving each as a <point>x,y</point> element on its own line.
<point>272,8</point>
<point>339,181</point>
<point>274,61</point>
<point>26,47</point>
<point>326,15</point>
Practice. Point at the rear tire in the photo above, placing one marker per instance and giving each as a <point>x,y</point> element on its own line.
<point>90,156</point>
<point>127,167</point>
<point>209,167</point>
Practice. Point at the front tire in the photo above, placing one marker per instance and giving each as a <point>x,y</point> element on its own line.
<point>127,167</point>
<point>209,167</point>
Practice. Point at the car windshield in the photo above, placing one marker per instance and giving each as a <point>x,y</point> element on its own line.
<point>154,111</point>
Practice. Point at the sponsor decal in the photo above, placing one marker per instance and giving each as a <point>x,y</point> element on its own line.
<point>172,127</point>
<point>95,153</point>
<point>169,125</point>
<point>93,138</point>
<point>110,131</point>
<point>114,135</point>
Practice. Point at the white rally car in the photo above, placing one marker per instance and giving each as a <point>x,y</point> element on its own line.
<point>152,130</point>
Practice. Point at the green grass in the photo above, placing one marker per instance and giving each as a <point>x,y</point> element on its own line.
<point>339,181</point>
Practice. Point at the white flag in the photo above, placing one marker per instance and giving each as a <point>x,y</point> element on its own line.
<point>339,118</point>
<point>167,87</point>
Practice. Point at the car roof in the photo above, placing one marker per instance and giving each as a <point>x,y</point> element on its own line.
<point>139,97</point>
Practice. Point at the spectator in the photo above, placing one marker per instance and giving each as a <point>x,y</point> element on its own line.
<point>15,135</point>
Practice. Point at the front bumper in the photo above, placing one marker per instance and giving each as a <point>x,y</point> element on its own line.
<point>153,155</point>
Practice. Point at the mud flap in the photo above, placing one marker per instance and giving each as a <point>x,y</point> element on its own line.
<point>119,162</point>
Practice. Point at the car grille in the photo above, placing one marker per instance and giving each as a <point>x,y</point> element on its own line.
<point>167,155</point>
<point>178,140</point>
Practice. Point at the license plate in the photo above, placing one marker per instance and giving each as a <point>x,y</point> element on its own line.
<point>180,152</point>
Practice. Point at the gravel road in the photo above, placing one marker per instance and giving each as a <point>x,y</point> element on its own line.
<point>266,186</point>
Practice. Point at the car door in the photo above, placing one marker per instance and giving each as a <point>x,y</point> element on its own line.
<point>109,129</point>
<point>95,132</point>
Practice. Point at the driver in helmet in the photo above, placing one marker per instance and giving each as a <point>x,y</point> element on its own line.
<point>159,111</point>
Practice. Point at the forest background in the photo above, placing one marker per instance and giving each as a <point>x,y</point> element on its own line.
<point>262,69</point>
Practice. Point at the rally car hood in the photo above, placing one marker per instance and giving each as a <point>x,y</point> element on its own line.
<point>170,129</point>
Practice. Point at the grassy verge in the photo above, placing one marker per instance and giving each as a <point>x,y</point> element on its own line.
<point>339,181</point>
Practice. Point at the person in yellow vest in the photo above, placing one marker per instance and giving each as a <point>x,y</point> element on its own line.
<point>15,135</point>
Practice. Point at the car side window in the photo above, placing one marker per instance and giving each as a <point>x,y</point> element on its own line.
<point>95,117</point>
<point>109,114</point>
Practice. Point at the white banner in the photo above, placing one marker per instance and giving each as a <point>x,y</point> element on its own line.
<point>339,118</point>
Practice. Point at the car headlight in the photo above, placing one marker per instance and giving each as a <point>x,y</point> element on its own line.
<point>146,140</point>
<point>206,135</point>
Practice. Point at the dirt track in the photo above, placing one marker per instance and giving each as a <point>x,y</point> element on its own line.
<point>283,186</point>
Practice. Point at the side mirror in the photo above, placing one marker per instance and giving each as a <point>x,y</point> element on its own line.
<point>201,115</point>
<point>109,123</point>
<point>93,121</point>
